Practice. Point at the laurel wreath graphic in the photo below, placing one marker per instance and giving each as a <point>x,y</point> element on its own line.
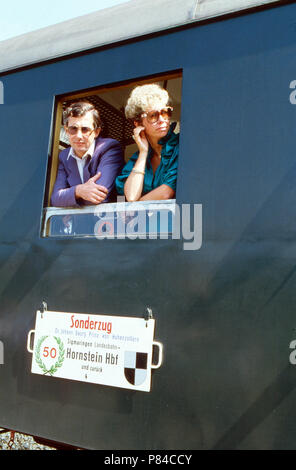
<point>59,361</point>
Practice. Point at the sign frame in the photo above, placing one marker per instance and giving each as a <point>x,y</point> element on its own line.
<point>100,349</point>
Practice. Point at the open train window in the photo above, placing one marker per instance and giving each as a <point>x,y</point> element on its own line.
<point>117,217</point>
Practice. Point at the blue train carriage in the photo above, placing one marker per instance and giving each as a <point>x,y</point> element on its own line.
<point>168,325</point>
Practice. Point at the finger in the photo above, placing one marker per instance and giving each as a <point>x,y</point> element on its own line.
<point>142,134</point>
<point>97,199</point>
<point>96,177</point>
<point>102,188</point>
<point>138,129</point>
<point>94,199</point>
<point>99,194</point>
<point>99,190</point>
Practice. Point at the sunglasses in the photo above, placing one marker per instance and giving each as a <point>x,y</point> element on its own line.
<point>72,130</point>
<point>153,116</point>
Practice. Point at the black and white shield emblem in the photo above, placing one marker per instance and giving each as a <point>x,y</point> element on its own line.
<point>135,367</point>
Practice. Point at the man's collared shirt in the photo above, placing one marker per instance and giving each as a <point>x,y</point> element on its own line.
<point>81,161</point>
<point>106,159</point>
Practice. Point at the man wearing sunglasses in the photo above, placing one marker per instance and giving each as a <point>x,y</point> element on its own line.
<point>87,170</point>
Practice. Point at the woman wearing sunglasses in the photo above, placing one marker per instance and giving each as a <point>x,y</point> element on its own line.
<point>151,172</point>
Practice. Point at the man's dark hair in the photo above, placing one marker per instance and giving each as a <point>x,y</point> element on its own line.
<point>80,108</point>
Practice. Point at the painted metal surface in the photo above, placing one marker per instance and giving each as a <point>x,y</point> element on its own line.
<point>128,20</point>
<point>225,313</point>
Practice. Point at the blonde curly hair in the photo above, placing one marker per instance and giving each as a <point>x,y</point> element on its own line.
<point>145,97</point>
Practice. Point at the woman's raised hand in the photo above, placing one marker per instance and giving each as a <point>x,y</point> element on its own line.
<point>141,139</point>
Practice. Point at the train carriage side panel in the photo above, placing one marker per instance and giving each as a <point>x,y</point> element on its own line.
<point>225,312</point>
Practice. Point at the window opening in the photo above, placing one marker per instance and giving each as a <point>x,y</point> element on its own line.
<point>106,220</point>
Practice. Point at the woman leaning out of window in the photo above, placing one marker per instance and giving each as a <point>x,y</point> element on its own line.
<point>151,172</point>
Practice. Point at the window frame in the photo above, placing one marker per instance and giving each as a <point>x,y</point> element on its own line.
<point>53,160</point>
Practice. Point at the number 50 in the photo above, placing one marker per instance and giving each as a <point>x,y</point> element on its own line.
<point>52,352</point>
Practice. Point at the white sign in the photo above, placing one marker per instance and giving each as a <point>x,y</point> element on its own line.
<point>101,349</point>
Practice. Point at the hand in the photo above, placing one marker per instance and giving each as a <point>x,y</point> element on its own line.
<point>140,138</point>
<point>68,224</point>
<point>66,220</point>
<point>91,191</point>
